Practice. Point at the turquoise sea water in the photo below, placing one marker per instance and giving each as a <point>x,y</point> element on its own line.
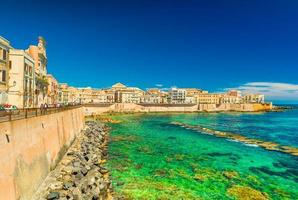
<point>150,158</point>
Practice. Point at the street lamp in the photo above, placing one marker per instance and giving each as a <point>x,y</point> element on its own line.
<point>13,85</point>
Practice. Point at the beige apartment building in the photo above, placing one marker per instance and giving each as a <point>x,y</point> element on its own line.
<point>209,98</point>
<point>52,95</point>
<point>38,53</point>
<point>104,96</point>
<point>124,94</point>
<point>85,95</point>
<point>152,96</point>
<point>22,76</point>
<point>232,97</point>
<point>130,95</point>
<point>63,93</point>
<point>4,69</point>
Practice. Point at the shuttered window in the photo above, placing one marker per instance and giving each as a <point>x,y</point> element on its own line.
<point>2,75</point>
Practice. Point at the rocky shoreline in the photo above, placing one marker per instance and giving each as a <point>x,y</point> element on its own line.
<point>81,174</point>
<point>271,146</point>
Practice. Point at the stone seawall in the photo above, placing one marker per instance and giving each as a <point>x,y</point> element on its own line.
<point>30,148</point>
<point>80,174</point>
<point>131,107</point>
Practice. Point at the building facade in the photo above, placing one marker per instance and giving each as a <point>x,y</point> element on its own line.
<point>209,98</point>
<point>22,78</point>
<point>38,53</point>
<point>176,96</point>
<point>4,69</point>
<point>53,90</point>
<point>254,98</point>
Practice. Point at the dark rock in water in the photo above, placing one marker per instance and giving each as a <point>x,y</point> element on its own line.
<point>172,138</point>
<point>120,183</point>
<point>139,166</point>
<point>266,170</point>
<point>53,195</point>
<point>219,154</point>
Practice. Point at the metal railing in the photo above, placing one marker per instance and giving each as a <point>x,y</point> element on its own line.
<point>10,115</point>
<point>167,104</point>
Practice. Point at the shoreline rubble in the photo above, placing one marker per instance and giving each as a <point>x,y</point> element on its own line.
<point>81,174</point>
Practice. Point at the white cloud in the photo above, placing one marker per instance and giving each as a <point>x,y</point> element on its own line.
<point>272,91</point>
<point>158,85</point>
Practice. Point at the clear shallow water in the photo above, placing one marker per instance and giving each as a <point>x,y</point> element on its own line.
<point>150,158</point>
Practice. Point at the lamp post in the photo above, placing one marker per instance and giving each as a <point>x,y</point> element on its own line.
<point>13,85</point>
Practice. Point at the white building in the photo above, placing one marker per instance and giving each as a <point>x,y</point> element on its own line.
<point>177,96</point>
<point>151,99</point>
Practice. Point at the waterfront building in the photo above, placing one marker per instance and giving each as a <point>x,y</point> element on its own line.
<point>22,79</point>
<point>124,94</point>
<point>190,99</point>
<point>192,91</point>
<point>63,93</point>
<point>4,69</point>
<point>73,95</point>
<point>235,93</point>
<point>164,97</point>
<point>130,95</point>
<point>153,91</point>
<point>177,96</point>
<point>105,96</point>
<point>191,95</point>
<point>254,98</point>
<point>232,97</point>
<point>52,90</point>
<point>85,95</point>
<point>209,98</point>
<point>38,53</point>
<point>151,98</point>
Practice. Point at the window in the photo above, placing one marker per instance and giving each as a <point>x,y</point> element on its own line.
<point>4,54</point>
<point>2,75</point>
<point>10,64</point>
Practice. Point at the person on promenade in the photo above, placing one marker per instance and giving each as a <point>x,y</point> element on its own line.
<point>41,108</point>
<point>45,108</point>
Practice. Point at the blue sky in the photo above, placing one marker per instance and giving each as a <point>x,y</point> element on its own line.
<point>211,44</point>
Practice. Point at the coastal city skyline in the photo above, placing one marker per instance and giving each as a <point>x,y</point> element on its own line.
<point>148,99</point>
<point>158,43</point>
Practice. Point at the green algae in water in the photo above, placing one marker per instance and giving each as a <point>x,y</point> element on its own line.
<point>151,159</point>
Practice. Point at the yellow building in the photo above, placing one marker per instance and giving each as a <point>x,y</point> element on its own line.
<point>63,93</point>
<point>38,53</point>
<point>85,95</point>
<point>209,98</point>
<point>21,73</point>
<point>52,96</point>
<point>4,69</point>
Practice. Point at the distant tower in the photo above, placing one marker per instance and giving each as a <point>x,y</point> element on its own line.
<point>42,45</point>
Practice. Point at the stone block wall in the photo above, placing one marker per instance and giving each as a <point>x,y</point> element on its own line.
<point>30,148</point>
